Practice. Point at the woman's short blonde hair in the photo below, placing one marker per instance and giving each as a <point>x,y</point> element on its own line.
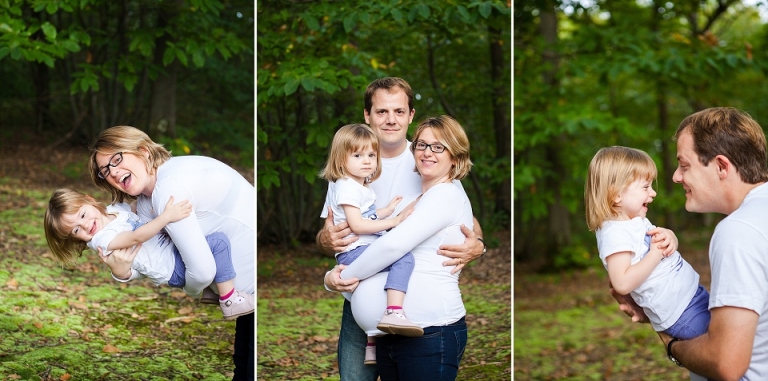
<point>130,140</point>
<point>610,172</point>
<point>450,134</point>
<point>58,235</point>
<point>348,139</point>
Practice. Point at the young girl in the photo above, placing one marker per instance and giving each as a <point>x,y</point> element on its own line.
<point>74,221</point>
<point>617,194</point>
<point>352,164</point>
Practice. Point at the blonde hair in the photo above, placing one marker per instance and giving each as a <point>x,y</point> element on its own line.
<point>350,138</point>
<point>610,172</point>
<point>128,140</point>
<point>450,134</point>
<point>64,247</point>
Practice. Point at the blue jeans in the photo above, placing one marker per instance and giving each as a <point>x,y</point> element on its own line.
<point>695,319</point>
<point>434,356</point>
<point>220,247</point>
<point>351,349</point>
<point>399,272</point>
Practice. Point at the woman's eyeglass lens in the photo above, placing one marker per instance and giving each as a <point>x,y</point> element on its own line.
<point>114,161</point>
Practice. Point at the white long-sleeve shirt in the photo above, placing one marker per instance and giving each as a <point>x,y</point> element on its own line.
<point>433,297</point>
<point>222,201</point>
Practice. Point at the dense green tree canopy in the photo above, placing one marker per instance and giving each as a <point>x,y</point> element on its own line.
<point>314,61</point>
<point>77,67</point>
<point>595,74</point>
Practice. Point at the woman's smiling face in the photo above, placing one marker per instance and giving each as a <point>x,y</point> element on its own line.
<point>130,175</point>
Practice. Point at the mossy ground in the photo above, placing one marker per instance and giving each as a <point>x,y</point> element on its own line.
<point>76,322</point>
<point>568,327</point>
<point>298,320</point>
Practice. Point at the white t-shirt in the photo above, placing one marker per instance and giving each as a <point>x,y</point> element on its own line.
<point>738,255</point>
<point>222,201</point>
<point>155,260</point>
<point>398,178</point>
<point>349,192</point>
<point>433,297</point>
<point>672,284</point>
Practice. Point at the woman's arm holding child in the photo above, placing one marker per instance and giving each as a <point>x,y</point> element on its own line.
<point>172,213</point>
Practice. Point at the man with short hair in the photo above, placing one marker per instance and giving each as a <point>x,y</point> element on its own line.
<point>388,111</point>
<point>721,155</point>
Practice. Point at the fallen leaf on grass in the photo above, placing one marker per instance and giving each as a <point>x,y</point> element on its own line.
<point>65,377</point>
<point>185,319</point>
<point>38,325</point>
<point>185,310</point>
<point>109,348</point>
<point>78,305</point>
<point>14,377</point>
<point>12,283</point>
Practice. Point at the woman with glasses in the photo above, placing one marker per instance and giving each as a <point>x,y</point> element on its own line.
<point>126,163</point>
<point>441,152</point>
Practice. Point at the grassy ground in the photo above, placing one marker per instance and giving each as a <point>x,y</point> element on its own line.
<point>568,327</point>
<point>77,323</point>
<point>298,320</point>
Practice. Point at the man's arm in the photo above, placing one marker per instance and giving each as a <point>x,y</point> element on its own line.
<point>725,351</point>
<point>330,239</point>
<point>471,249</point>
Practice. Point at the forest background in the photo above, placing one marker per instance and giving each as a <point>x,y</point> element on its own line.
<point>183,71</point>
<point>314,61</point>
<point>590,74</point>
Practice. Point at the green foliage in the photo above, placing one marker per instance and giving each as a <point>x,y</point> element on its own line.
<point>314,62</point>
<point>89,65</point>
<point>623,75</point>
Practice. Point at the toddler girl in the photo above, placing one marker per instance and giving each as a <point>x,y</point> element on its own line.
<point>74,221</point>
<point>617,195</point>
<point>352,164</point>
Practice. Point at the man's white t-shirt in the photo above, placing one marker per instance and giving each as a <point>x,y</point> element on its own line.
<point>738,255</point>
<point>672,283</point>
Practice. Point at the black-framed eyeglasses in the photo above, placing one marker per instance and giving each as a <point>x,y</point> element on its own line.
<point>436,148</point>
<point>114,161</point>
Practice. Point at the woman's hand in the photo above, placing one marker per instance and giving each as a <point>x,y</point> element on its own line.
<point>334,282</point>
<point>120,260</point>
<point>463,253</point>
<point>330,239</point>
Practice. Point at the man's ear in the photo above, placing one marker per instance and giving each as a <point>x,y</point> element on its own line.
<point>723,166</point>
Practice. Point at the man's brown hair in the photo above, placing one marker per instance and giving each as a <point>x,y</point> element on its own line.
<point>732,133</point>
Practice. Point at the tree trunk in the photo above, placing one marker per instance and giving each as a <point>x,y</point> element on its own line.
<point>162,112</point>
<point>559,222</point>
<point>501,126</point>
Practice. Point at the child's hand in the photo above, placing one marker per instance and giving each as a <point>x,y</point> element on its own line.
<point>176,212</point>
<point>389,209</point>
<point>663,239</point>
